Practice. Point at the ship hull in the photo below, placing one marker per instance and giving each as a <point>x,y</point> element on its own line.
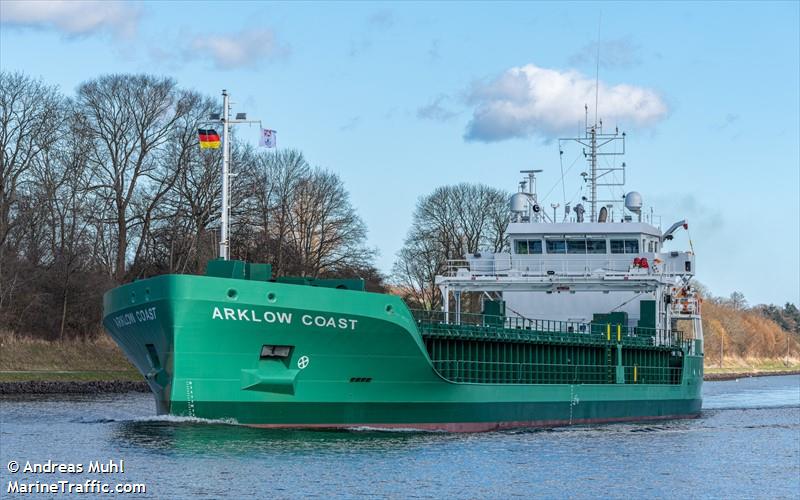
<point>354,359</point>
<point>459,417</point>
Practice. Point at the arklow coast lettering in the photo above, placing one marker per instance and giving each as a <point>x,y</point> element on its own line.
<point>310,320</point>
<point>132,317</point>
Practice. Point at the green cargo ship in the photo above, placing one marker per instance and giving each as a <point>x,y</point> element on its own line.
<point>624,341</point>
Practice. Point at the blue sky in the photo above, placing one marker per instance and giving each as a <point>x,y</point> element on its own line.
<point>398,98</point>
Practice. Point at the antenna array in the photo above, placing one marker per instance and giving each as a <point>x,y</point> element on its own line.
<point>599,144</point>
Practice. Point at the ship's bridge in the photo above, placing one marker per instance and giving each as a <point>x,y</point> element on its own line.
<point>623,263</point>
<point>578,249</point>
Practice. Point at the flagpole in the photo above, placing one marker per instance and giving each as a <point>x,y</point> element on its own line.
<point>226,121</point>
<point>223,240</point>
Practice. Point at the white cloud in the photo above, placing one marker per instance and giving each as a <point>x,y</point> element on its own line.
<point>72,18</point>
<point>530,100</point>
<point>246,48</point>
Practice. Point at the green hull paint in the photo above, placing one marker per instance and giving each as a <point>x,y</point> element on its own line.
<point>198,339</point>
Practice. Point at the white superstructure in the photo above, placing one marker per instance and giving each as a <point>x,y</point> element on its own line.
<point>608,261</point>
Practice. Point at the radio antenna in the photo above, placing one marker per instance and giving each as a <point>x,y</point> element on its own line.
<point>597,70</point>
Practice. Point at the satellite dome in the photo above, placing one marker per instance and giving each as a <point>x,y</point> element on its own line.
<point>633,202</point>
<point>519,203</point>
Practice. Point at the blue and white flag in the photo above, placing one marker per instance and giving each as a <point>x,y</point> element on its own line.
<point>269,138</point>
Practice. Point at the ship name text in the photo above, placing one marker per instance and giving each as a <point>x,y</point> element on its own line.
<point>250,315</point>
<point>138,316</point>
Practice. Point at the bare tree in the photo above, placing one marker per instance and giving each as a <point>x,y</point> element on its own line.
<point>450,223</point>
<point>268,187</point>
<point>62,182</point>
<point>737,301</point>
<point>176,233</point>
<point>297,217</point>
<point>30,112</point>
<point>132,118</point>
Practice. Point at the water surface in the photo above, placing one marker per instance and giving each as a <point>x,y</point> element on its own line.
<point>746,444</point>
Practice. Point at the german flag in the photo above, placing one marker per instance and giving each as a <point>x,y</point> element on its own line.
<point>209,139</point>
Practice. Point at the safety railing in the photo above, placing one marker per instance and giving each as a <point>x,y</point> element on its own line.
<point>498,372</point>
<point>685,305</point>
<point>484,326</point>
<point>653,374</point>
<point>537,267</point>
<point>562,265</point>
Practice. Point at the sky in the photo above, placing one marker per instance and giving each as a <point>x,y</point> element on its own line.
<point>400,98</point>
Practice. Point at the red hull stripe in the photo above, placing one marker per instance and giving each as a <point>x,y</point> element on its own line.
<point>473,426</point>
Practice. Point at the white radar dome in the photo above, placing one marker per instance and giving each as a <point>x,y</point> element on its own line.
<point>518,203</point>
<point>633,202</point>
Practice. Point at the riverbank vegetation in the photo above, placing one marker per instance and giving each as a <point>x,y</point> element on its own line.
<point>26,358</point>
<point>739,338</point>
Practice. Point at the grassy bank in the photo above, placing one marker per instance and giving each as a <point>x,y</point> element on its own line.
<point>752,365</point>
<point>26,359</point>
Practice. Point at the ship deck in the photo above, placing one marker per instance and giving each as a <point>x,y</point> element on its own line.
<point>492,349</point>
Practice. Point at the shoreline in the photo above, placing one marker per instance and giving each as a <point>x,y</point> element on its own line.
<point>719,377</point>
<point>20,387</point>
<point>72,387</point>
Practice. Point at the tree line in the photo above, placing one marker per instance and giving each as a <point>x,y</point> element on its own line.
<point>110,185</point>
<point>736,332</point>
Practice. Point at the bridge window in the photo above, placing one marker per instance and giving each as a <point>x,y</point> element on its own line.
<point>624,246</point>
<point>527,247</point>
<point>596,246</point>
<point>556,246</point>
<point>576,246</point>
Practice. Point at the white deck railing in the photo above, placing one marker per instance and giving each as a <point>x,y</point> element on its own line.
<point>575,266</point>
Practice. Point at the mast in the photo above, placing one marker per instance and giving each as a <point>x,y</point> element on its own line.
<point>593,176</point>
<point>599,144</point>
<point>224,252</point>
<point>226,121</point>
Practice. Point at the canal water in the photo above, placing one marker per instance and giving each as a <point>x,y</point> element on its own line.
<point>746,444</point>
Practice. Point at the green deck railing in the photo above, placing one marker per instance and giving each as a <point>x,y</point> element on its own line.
<point>496,372</point>
<point>485,327</point>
